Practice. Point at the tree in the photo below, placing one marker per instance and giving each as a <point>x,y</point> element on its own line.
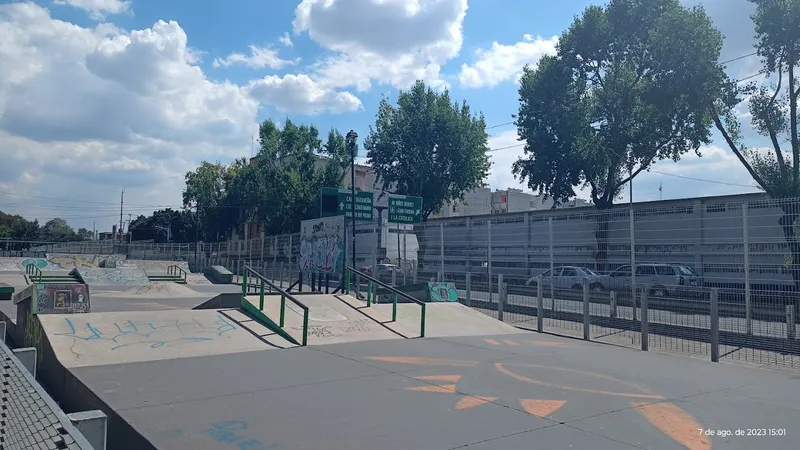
<point>181,225</point>
<point>630,85</point>
<point>428,146</point>
<point>83,234</point>
<point>773,109</point>
<point>15,227</point>
<point>57,230</point>
<point>205,193</point>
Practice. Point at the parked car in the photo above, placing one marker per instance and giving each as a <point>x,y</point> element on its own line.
<point>383,272</point>
<point>660,280</point>
<point>569,278</point>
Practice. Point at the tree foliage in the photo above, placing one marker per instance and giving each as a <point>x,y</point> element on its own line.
<point>182,226</point>
<point>428,146</point>
<point>14,227</point>
<point>278,188</point>
<point>629,86</point>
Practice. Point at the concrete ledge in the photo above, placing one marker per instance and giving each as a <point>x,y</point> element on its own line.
<point>93,425</point>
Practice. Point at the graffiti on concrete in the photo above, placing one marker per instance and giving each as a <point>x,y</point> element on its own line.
<point>230,433</point>
<point>443,292</point>
<point>62,298</point>
<point>71,261</point>
<point>149,334</point>
<point>322,245</point>
<point>19,264</point>
<point>124,277</point>
<point>356,326</point>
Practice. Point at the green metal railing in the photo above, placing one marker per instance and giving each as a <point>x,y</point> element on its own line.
<point>176,271</point>
<point>371,282</point>
<point>261,286</point>
<point>34,273</point>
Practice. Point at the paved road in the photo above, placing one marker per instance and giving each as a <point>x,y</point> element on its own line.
<point>486,392</point>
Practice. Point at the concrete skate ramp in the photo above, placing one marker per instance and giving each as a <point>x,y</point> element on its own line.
<point>151,266</point>
<point>92,339</point>
<point>331,321</point>
<point>113,277</point>
<point>157,289</point>
<point>441,320</point>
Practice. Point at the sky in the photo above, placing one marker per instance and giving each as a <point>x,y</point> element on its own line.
<point>97,96</point>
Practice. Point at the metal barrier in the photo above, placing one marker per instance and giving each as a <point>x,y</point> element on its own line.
<point>373,281</point>
<point>176,271</point>
<point>264,283</point>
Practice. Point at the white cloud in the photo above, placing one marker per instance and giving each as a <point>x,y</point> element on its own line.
<point>85,112</point>
<point>300,94</point>
<point>98,8</point>
<point>502,63</point>
<point>391,41</point>
<point>286,40</point>
<point>259,58</point>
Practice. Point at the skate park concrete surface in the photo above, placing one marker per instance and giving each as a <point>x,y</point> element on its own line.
<point>173,371</point>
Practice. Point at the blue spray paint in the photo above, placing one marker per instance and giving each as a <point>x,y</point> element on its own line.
<point>226,433</point>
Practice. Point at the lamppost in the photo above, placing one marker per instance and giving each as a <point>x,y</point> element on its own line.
<point>351,142</point>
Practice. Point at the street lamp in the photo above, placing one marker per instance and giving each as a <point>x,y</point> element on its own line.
<point>351,142</point>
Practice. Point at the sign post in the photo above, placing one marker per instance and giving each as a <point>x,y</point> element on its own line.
<point>406,210</point>
<point>337,202</point>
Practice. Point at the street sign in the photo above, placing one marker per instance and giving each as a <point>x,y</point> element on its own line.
<point>405,209</point>
<point>337,202</point>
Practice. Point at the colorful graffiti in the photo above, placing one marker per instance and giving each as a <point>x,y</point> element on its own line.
<point>150,334</point>
<point>322,245</point>
<point>62,299</point>
<point>230,433</point>
<point>114,277</point>
<point>443,292</point>
<point>70,261</point>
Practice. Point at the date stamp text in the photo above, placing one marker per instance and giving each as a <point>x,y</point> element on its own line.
<point>742,432</point>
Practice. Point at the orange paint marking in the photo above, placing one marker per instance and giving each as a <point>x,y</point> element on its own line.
<point>540,408</point>
<point>423,361</point>
<point>444,389</point>
<point>548,344</point>
<point>471,402</point>
<point>491,341</point>
<point>510,342</point>
<point>675,423</point>
<point>445,378</point>
<point>500,368</point>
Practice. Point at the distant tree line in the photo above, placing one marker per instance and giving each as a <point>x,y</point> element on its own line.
<point>16,228</point>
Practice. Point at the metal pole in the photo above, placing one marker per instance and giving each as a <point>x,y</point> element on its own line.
<point>613,304</point>
<point>552,266</point>
<point>351,138</point>
<point>397,226</point>
<point>489,254</point>
<point>714,316</point>
<point>539,305</point>
<point>791,327</point>
<point>633,259</point>
<point>586,319</point>
<point>645,322</point>
<point>469,289</point>
<point>500,295</point>
<point>405,255</point>
<point>748,306</point>
<point>441,249</point>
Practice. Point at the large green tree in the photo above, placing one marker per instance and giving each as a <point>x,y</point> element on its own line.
<point>182,226</point>
<point>428,146</point>
<point>206,193</point>
<point>629,85</point>
<point>773,114</point>
<point>16,228</point>
<point>57,230</point>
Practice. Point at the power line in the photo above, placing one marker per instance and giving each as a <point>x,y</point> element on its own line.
<point>740,57</point>
<point>701,179</point>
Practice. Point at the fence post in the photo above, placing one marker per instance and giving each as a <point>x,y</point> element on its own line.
<point>552,266</point>
<point>500,296</point>
<point>714,324</point>
<point>275,250</point>
<point>645,322</point>
<point>469,289</point>
<point>633,263</point>
<point>613,304</point>
<point>791,327</point>
<point>539,305</point>
<point>748,306</point>
<point>586,320</point>
<point>263,237</point>
<point>394,278</point>
<point>441,247</point>
<point>489,255</point>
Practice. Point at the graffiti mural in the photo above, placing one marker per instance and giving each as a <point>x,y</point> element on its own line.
<point>443,292</point>
<point>114,277</point>
<point>148,334</point>
<point>322,245</point>
<point>71,261</point>
<point>62,299</point>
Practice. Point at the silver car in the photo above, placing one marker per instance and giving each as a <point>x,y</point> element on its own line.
<point>660,280</point>
<point>569,278</point>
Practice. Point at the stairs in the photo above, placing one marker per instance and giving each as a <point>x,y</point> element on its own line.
<point>54,277</point>
<point>165,277</point>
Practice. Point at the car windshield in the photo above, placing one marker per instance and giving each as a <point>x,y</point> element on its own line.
<point>591,272</point>
<point>686,271</point>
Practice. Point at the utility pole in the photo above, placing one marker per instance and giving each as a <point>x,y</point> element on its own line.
<point>94,231</point>
<point>121,202</point>
<point>660,191</point>
<point>351,141</point>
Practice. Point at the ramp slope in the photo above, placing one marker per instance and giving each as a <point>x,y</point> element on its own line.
<point>134,336</point>
<point>331,321</point>
<point>113,277</point>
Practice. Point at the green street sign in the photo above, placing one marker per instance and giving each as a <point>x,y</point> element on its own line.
<point>405,209</point>
<point>337,202</point>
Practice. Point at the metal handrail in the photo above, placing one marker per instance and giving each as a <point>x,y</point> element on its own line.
<point>35,272</point>
<point>176,270</point>
<point>391,289</point>
<point>284,296</point>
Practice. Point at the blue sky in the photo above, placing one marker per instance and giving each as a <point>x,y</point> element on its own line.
<point>101,95</point>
